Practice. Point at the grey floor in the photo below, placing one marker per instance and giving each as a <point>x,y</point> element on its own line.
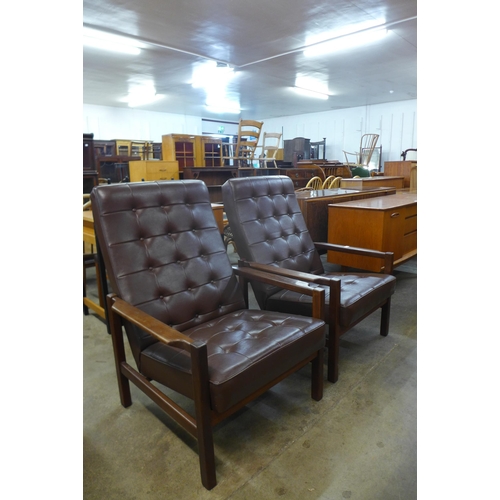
<point>358,442</point>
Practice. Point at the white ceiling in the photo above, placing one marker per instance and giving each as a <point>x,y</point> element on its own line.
<point>262,40</point>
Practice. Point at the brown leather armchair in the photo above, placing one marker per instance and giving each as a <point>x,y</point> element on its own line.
<point>271,234</point>
<point>184,310</point>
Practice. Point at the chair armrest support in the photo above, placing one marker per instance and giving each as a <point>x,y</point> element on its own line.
<point>288,273</point>
<point>388,257</point>
<point>247,272</point>
<point>153,326</point>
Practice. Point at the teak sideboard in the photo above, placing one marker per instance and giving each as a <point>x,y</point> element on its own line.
<point>314,205</point>
<point>385,223</point>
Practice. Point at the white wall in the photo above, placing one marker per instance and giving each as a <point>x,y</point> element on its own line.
<point>395,122</point>
<point>107,123</point>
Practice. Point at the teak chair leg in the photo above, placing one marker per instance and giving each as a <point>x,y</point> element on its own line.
<point>115,326</point>
<point>317,376</point>
<point>385,317</point>
<point>203,412</point>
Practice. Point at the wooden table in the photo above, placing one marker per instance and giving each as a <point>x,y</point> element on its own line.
<point>90,239</point>
<point>314,205</point>
<point>386,223</point>
<point>378,181</point>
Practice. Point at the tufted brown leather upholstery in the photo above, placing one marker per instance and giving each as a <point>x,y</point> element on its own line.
<point>184,311</point>
<point>269,228</point>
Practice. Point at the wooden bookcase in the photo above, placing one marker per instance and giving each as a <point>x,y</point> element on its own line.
<point>211,151</point>
<point>192,150</point>
<point>180,148</point>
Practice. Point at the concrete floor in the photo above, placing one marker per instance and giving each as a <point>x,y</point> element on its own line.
<point>359,442</point>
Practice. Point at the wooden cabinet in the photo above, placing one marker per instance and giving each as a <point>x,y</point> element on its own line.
<point>90,176</point>
<point>210,149</point>
<point>105,148</point>
<point>386,223</point>
<point>314,205</point>
<point>126,147</point>
<point>213,178</point>
<point>403,168</point>
<point>153,170</point>
<point>192,150</point>
<point>299,176</point>
<point>115,168</point>
<point>180,148</point>
<point>122,147</point>
<point>156,150</point>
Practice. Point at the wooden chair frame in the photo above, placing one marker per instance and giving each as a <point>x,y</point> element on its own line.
<point>269,150</point>
<point>200,426</point>
<point>335,329</point>
<point>362,157</point>
<point>332,182</point>
<point>313,184</point>
<point>246,143</point>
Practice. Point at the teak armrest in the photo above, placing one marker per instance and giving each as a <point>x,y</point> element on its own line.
<point>153,326</point>
<point>288,274</point>
<point>247,271</point>
<point>388,257</point>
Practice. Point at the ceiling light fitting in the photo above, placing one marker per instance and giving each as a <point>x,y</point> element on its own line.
<point>112,43</point>
<point>347,41</point>
<point>142,95</point>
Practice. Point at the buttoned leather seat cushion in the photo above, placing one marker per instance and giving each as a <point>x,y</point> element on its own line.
<point>358,293</point>
<point>246,350</point>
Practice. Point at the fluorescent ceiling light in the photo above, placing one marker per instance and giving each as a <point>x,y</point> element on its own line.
<point>141,95</point>
<point>219,104</point>
<point>311,93</point>
<point>113,43</point>
<point>211,74</point>
<point>344,42</point>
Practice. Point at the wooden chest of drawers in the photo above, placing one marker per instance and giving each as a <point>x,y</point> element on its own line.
<point>153,170</point>
<point>385,223</point>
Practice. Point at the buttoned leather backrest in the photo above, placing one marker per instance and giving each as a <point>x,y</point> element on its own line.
<point>268,226</point>
<point>164,253</point>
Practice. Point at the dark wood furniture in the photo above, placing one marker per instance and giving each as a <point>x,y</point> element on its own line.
<point>186,316</point>
<point>104,148</point>
<point>318,150</point>
<point>115,168</point>
<point>314,205</point>
<point>215,177</point>
<point>385,223</point>
<point>90,173</point>
<point>271,234</point>
<point>329,167</point>
<point>296,149</point>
